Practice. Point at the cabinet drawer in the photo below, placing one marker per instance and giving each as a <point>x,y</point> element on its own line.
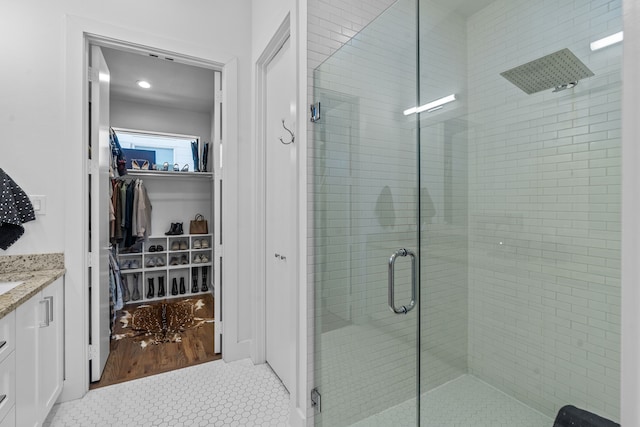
<point>7,384</point>
<point>7,334</point>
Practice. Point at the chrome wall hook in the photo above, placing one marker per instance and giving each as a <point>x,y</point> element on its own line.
<point>293,137</point>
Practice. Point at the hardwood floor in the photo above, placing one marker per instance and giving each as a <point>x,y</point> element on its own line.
<point>128,360</point>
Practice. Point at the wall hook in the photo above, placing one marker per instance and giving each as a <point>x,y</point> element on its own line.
<point>293,137</point>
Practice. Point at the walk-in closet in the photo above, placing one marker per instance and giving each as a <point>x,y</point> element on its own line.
<point>157,210</point>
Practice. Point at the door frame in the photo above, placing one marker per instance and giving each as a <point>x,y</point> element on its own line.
<point>294,27</point>
<point>79,33</point>
<point>258,350</point>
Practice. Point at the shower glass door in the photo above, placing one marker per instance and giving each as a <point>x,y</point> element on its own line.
<point>365,195</point>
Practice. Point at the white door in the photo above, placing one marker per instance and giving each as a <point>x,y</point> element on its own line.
<point>280,221</point>
<point>100,155</point>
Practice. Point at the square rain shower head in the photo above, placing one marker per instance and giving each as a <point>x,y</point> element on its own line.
<point>556,70</point>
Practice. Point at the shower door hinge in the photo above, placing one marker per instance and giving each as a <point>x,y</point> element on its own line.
<point>315,112</point>
<point>316,400</point>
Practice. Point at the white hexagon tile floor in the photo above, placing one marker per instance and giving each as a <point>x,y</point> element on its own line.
<point>212,394</point>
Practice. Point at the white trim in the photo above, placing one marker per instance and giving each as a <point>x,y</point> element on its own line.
<point>216,168</point>
<point>304,356</point>
<point>294,27</point>
<point>258,349</point>
<point>630,350</point>
<point>78,30</point>
<point>232,347</point>
<point>153,133</point>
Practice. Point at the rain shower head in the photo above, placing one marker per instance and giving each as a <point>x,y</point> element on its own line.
<point>559,70</point>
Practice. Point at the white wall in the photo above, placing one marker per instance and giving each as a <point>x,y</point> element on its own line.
<point>33,91</point>
<point>630,380</point>
<point>155,118</point>
<point>35,94</point>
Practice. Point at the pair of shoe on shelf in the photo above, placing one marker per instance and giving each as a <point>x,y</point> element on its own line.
<point>179,261</point>
<point>179,245</point>
<point>133,249</point>
<point>156,248</point>
<point>175,229</point>
<point>176,167</point>
<point>129,264</point>
<point>154,262</point>
<point>200,258</point>
<point>140,164</point>
<point>200,244</point>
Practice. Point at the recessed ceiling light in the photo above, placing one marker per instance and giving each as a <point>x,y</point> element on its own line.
<point>144,84</point>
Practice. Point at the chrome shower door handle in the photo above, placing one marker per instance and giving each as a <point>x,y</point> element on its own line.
<point>391,278</point>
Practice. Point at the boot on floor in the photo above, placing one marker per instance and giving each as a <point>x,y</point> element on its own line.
<point>204,280</point>
<point>136,291</point>
<point>151,289</point>
<point>161,286</point>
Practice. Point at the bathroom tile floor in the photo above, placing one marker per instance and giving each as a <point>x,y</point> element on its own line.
<point>463,402</point>
<point>211,394</point>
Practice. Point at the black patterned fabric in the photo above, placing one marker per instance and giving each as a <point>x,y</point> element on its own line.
<point>570,416</point>
<point>15,209</point>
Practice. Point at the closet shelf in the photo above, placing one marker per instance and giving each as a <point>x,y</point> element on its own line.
<point>169,174</point>
<point>198,272</point>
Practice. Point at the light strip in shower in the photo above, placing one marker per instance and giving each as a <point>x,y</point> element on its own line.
<point>431,105</point>
<point>607,41</point>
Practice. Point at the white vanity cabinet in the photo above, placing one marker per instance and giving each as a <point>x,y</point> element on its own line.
<point>7,370</point>
<point>39,354</point>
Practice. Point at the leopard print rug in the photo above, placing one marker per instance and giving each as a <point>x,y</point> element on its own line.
<point>161,322</point>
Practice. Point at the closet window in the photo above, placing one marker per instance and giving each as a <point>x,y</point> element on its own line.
<point>155,148</point>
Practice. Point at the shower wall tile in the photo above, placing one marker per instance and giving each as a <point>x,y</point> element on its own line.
<point>324,18</point>
<point>544,209</point>
<point>443,187</point>
<point>364,192</point>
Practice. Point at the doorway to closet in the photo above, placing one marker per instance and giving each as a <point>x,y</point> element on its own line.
<point>155,302</point>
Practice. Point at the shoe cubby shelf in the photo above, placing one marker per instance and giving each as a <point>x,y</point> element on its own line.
<point>183,267</point>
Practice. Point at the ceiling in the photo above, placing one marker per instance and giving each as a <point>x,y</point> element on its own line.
<point>173,84</point>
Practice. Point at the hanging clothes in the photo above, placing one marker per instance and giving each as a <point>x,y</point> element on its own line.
<point>131,212</point>
<point>116,289</point>
<point>127,227</point>
<point>142,214</point>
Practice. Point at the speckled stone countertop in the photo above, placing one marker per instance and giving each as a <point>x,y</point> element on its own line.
<point>37,271</point>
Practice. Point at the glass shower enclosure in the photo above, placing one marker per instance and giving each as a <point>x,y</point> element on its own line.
<point>466,216</point>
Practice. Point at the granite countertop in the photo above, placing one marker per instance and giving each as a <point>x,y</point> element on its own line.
<point>37,272</point>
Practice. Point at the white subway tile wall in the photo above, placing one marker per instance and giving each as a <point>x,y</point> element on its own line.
<point>443,198</point>
<point>544,208</point>
<point>520,205</point>
<point>365,205</point>
<point>327,21</point>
